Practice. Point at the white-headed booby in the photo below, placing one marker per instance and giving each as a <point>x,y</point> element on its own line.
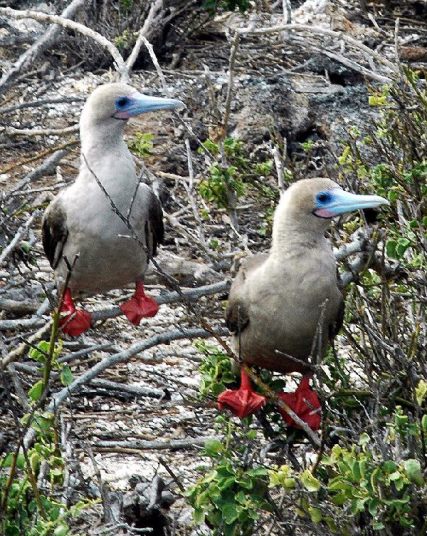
<point>287,302</point>
<point>82,223</point>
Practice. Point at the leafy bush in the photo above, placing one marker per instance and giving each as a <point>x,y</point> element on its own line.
<point>231,495</point>
<point>142,144</point>
<point>31,479</point>
<point>227,182</point>
<point>228,5</point>
<point>216,370</point>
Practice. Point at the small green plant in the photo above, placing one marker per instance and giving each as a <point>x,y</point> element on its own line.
<point>31,478</point>
<point>392,157</point>
<point>125,40</point>
<point>228,5</point>
<point>227,182</point>
<point>216,370</point>
<point>231,495</point>
<point>358,482</point>
<point>221,182</point>
<point>40,353</point>
<point>142,144</point>
<point>40,513</point>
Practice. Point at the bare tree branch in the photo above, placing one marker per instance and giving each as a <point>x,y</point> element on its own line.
<point>31,54</point>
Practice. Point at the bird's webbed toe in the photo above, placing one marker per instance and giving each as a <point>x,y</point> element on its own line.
<point>243,401</point>
<point>305,403</point>
<point>139,306</point>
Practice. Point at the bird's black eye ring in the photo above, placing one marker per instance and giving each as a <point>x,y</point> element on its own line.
<point>121,102</point>
<point>323,197</point>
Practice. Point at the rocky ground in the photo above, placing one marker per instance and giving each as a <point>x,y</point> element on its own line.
<point>294,91</point>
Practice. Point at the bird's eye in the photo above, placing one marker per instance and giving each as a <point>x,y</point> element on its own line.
<point>323,197</point>
<point>121,102</point>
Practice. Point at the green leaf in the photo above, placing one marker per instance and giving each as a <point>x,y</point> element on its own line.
<point>66,376</point>
<point>40,353</point>
<point>421,392</point>
<point>373,506</point>
<point>251,435</point>
<point>230,513</point>
<point>377,100</point>
<point>61,530</point>
<point>390,248</point>
<point>199,516</point>
<point>315,514</point>
<point>36,391</point>
<point>25,246</point>
<point>364,439</point>
<point>257,472</point>
<point>413,471</point>
<point>12,530</point>
<point>389,466</point>
<point>309,481</point>
<point>213,447</point>
<point>424,422</point>
<point>378,525</point>
<point>340,484</point>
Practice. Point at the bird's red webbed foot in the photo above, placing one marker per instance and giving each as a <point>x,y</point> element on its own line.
<point>139,306</point>
<point>75,321</point>
<point>305,403</point>
<point>243,401</point>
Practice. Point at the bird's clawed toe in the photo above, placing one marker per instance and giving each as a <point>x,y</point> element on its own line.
<point>243,401</point>
<point>139,306</point>
<point>305,403</point>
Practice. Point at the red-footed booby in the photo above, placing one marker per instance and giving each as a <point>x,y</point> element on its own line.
<point>286,306</point>
<point>81,222</point>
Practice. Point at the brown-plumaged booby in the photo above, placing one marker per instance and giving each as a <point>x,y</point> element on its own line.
<point>82,222</point>
<point>286,306</point>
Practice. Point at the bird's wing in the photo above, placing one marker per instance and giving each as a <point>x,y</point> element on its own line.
<point>336,325</point>
<point>54,232</point>
<point>237,316</point>
<point>154,228</point>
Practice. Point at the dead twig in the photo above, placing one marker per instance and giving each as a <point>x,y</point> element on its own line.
<point>76,26</point>
<point>32,53</point>
<point>8,250</point>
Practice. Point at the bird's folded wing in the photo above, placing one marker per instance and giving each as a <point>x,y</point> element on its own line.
<point>154,229</point>
<point>54,232</point>
<point>335,326</point>
<point>236,316</point>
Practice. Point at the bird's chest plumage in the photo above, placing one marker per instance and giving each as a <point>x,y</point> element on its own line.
<point>286,309</point>
<point>108,255</point>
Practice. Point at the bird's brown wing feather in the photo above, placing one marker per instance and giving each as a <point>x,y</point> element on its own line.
<point>154,228</point>
<point>335,326</point>
<point>54,232</point>
<point>237,315</point>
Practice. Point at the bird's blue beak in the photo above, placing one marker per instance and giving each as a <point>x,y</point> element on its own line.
<point>136,104</point>
<point>331,203</point>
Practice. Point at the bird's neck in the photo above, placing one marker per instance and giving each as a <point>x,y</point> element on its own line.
<point>289,239</point>
<point>98,142</point>
<point>104,154</point>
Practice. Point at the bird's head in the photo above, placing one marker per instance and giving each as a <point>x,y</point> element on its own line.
<point>113,104</point>
<point>312,203</point>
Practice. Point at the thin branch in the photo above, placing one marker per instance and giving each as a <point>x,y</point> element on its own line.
<point>8,250</point>
<point>76,26</point>
<point>11,131</point>
<point>122,357</point>
<point>32,53</point>
<point>141,444</point>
